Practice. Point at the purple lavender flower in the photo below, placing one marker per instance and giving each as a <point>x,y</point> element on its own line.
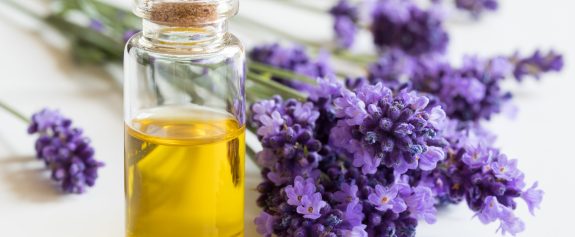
<point>357,231</point>
<point>475,157</point>
<point>477,7</point>
<point>301,188</point>
<point>421,204</point>
<point>387,199</point>
<point>264,224</point>
<point>505,169</point>
<point>305,113</point>
<point>353,213</point>
<point>377,127</point>
<point>509,222</point>
<point>345,22</point>
<point>537,64</point>
<point>311,205</point>
<point>533,197</point>
<point>365,159</point>
<point>347,194</point>
<point>428,159</point>
<point>491,210</point>
<point>65,151</point>
<point>270,124</point>
<point>403,25</point>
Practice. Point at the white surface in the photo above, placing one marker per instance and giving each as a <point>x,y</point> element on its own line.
<point>35,73</point>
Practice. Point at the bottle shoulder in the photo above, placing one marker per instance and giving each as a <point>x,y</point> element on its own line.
<point>228,45</point>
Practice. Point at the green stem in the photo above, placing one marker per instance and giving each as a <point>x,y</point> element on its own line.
<point>256,66</point>
<point>14,112</point>
<point>355,58</point>
<point>281,89</point>
<point>105,43</point>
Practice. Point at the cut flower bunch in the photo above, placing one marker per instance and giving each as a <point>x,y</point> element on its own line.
<point>364,155</point>
<point>374,155</point>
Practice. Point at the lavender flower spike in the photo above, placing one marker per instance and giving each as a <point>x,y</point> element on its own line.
<point>537,64</point>
<point>404,25</point>
<point>345,22</point>
<point>65,151</point>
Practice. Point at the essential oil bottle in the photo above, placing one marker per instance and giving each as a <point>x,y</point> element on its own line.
<point>184,117</point>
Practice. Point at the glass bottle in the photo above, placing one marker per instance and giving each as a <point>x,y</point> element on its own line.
<point>184,117</point>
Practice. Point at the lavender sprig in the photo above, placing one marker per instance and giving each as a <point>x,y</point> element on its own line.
<point>470,92</point>
<point>292,59</point>
<point>481,175</point>
<point>346,17</point>
<point>537,64</point>
<point>405,26</point>
<point>64,149</point>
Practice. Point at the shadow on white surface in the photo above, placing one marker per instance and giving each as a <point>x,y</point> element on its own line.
<point>28,180</point>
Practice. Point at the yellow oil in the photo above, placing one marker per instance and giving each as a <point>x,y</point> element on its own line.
<point>184,171</point>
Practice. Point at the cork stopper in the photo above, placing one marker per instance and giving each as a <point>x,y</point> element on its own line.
<point>183,13</point>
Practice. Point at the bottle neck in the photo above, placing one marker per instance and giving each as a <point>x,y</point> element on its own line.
<point>209,35</point>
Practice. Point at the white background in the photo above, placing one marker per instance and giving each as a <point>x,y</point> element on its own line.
<point>36,71</point>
